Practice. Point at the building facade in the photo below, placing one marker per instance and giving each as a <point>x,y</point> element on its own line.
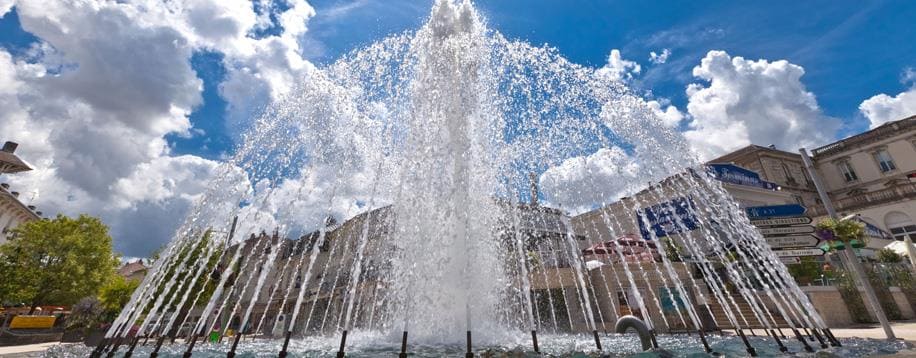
<point>12,211</point>
<point>784,168</point>
<point>134,270</point>
<point>873,174</point>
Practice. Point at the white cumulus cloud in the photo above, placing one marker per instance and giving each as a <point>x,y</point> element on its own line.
<point>577,184</point>
<point>882,108</point>
<point>760,102</point>
<point>619,69</point>
<point>92,102</point>
<point>670,116</point>
<point>659,58</point>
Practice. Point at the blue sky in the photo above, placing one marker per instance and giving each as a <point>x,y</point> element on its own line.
<point>126,109</point>
<point>849,51</point>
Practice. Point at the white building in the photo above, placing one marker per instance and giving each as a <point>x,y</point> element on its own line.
<point>872,174</point>
<point>12,211</point>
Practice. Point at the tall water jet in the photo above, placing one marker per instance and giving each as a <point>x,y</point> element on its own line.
<point>444,181</point>
<point>446,264</point>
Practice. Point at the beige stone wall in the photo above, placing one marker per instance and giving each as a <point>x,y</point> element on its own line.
<point>12,213</point>
<point>829,304</point>
<point>902,302</point>
<point>900,147</point>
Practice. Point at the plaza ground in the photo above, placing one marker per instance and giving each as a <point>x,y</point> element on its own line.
<point>903,330</point>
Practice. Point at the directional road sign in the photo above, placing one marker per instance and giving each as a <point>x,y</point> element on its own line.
<point>799,252</point>
<point>786,230</point>
<point>790,260</point>
<point>792,241</point>
<point>763,212</point>
<point>796,220</point>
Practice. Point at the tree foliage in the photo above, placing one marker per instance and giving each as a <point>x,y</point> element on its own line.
<point>115,294</point>
<point>805,271</point>
<point>888,256</point>
<point>843,230</point>
<point>181,270</point>
<point>56,261</point>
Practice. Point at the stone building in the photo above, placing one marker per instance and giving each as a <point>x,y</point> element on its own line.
<point>786,169</point>
<point>134,270</point>
<point>12,210</point>
<point>617,224</point>
<point>871,174</point>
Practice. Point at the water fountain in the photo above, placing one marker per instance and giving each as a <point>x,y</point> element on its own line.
<point>390,204</point>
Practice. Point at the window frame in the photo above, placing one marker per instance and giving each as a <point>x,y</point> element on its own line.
<point>846,170</point>
<point>889,163</point>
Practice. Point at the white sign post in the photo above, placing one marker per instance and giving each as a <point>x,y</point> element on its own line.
<point>799,252</point>
<point>795,220</point>
<point>792,241</point>
<point>785,230</point>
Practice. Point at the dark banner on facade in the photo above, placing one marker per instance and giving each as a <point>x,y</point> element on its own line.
<point>663,218</point>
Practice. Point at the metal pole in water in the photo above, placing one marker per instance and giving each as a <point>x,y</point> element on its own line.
<point>97,352</point>
<point>343,344</point>
<point>597,340</point>
<point>835,342</point>
<point>534,341</point>
<point>187,353</point>
<point>750,350</point>
<point>802,339</point>
<point>782,347</point>
<point>403,353</point>
<point>808,333</point>
<point>283,353</point>
<point>819,338</point>
<point>703,339</point>
<point>130,351</point>
<point>469,353</point>
<point>114,349</point>
<point>235,343</point>
<point>155,352</point>
<point>851,259</point>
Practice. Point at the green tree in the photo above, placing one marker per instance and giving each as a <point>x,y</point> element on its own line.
<point>192,254</point>
<point>116,293</point>
<point>805,271</point>
<point>888,256</point>
<point>56,261</point>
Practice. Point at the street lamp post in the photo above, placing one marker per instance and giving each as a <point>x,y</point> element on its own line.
<point>849,257</point>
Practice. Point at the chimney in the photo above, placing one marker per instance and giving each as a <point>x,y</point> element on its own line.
<point>5,186</point>
<point>9,147</point>
<point>39,213</point>
<point>533,181</point>
<point>31,207</point>
<point>15,194</point>
<point>772,146</point>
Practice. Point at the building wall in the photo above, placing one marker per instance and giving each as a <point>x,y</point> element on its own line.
<point>12,213</point>
<point>881,198</point>
<point>900,147</point>
<point>783,168</point>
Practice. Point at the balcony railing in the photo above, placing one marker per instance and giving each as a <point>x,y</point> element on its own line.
<point>869,199</point>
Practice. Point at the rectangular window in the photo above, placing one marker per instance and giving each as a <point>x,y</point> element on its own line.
<point>885,163</point>
<point>848,173</point>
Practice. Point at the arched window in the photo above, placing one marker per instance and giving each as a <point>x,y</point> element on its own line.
<point>900,225</point>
